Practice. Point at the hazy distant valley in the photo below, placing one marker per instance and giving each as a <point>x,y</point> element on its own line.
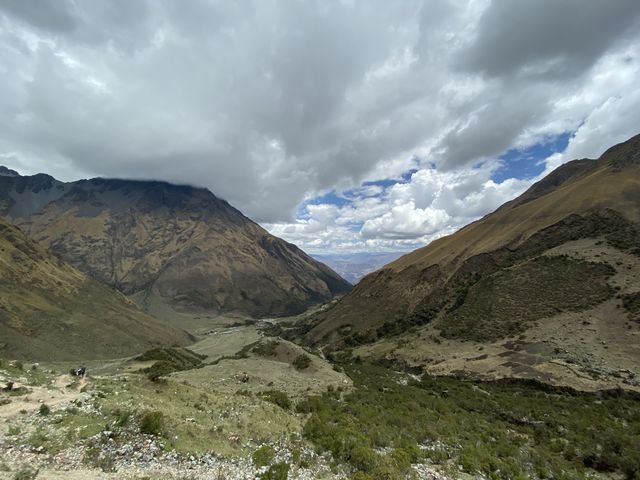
<point>354,266</point>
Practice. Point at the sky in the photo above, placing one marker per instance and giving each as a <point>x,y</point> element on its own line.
<point>342,125</point>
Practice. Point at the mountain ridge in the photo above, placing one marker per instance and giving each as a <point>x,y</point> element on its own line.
<point>566,251</point>
<point>169,246</point>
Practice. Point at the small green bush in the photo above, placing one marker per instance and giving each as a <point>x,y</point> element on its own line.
<point>302,362</point>
<point>25,473</point>
<point>161,368</point>
<point>266,349</point>
<point>44,410</point>
<point>122,418</point>
<point>279,471</point>
<point>95,458</point>
<point>152,423</point>
<point>279,398</point>
<point>263,456</point>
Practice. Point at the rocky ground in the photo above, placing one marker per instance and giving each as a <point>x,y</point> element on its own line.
<point>54,426</point>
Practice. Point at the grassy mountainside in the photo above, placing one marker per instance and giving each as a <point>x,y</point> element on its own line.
<point>51,311</point>
<point>168,245</point>
<point>568,249</point>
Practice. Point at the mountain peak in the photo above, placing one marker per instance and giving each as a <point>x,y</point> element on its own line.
<point>7,172</point>
<point>168,245</point>
<point>623,155</point>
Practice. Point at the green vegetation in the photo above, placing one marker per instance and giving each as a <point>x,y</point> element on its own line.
<point>25,473</point>
<point>44,410</point>
<point>302,362</point>
<point>263,456</point>
<point>503,430</point>
<point>96,458</point>
<point>503,304</point>
<point>631,303</point>
<point>266,349</point>
<point>279,471</point>
<point>152,423</point>
<point>170,360</point>
<point>278,397</point>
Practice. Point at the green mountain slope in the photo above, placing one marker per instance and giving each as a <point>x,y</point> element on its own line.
<point>51,311</point>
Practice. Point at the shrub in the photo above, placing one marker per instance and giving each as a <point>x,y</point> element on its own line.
<point>122,418</point>
<point>279,398</point>
<point>44,410</point>
<point>279,471</point>
<point>363,458</point>
<point>263,456</point>
<point>25,473</point>
<point>169,360</point>
<point>266,349</point>
<point>96,458</point>
<point>152,423</point>
<point>302,362</point>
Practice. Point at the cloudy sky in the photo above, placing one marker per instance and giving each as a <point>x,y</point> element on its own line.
<point>339,125</point>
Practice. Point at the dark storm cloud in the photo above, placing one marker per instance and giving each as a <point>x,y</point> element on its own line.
<point>547,38</point>
<point>53,15</point>
<point>269,102</point>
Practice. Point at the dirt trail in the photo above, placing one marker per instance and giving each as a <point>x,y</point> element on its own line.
<point>55,395</point>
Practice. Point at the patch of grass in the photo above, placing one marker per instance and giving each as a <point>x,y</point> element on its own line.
<point>521,429</point>
<point>152,423</point>
<point>263,456</point>
<point>266,349</point>
<point>169,360</point>
<point>96,458</point>
<point>38,439</point>
<point>240,354</point>
<point>278,397</point>
<point>504,304</point>
<point>26,473</point>
<point>279,471</point>
<point>302,362</point>
<point>631,303</point>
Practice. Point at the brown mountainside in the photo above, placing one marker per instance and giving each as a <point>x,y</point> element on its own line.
<point>51,311</point>
<point>569,246</point>
<point>167,245</point>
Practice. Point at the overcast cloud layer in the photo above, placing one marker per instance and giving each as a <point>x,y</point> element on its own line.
<point>339,125</point>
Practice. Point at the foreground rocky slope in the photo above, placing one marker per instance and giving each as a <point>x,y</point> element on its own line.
<point>50,310</point>
<point>558,266</point>
<point>167,245</point>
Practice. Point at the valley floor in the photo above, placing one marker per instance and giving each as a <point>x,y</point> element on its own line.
<point>250,407</point>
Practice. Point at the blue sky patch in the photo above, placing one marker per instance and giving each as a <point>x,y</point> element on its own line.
<point>528,163</point>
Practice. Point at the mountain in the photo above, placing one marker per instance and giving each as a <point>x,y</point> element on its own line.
<point>51,311</point>
<point>354,266</point>
<point>557,268</point>
<point>167,246</point>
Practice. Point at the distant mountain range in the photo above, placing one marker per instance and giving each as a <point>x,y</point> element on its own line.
<point>555,271</point>
<point>169,247</point>
<point>354,266</point>
<point>51,311</point>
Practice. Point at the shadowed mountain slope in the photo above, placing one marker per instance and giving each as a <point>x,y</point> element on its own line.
<point>167,246</point>
<point>51,311</point>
